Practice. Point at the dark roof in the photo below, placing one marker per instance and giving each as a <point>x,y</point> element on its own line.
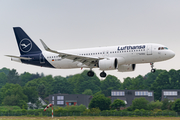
<point>132,90</point>
<point>43,100</point>
<point>69,94</point>
<point>170,89</point>
<point>47,98</point>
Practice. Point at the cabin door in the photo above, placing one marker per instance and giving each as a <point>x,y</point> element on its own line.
<point>149,49</point>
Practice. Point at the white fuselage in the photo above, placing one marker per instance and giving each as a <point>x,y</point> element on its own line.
<point>131,54</point>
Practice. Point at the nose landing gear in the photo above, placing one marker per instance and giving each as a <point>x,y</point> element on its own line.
<point>152,69</point>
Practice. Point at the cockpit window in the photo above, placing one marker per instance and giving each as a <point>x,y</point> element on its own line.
<point>162,48</point>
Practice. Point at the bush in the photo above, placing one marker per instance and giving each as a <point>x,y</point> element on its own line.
<point>130,108</point>
<point>82,108</point>
<point>76,108</point>
<point>167,104</point>
<point>101,102</point>
<point>9,108</point>
<point>69,109</point>
<point>157,110</point>
<point>59,109</point>
<point>176,105</point>
<point>95,110</point>
<point>117,104</point>
<point>136,110</point>
<point>155,105</point>
<point>140,103</point>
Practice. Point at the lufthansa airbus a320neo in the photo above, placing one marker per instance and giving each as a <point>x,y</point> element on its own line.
<point>121,57</point>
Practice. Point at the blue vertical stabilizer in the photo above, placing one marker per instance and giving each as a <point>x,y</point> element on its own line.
<point>25,44</point>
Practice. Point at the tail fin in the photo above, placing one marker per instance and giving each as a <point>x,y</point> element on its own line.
<point>25,44</point>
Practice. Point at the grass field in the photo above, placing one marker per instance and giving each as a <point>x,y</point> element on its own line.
<point>89,118</point>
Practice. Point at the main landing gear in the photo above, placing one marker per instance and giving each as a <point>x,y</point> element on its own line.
<point>91,74</point>
<point>103,74</point>
<point>152,69</point>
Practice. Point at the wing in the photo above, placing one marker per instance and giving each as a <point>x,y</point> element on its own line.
<point>89,61</point>
<point>23,58</point>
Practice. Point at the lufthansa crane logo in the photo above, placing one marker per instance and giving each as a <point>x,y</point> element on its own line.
<point>25,45</point>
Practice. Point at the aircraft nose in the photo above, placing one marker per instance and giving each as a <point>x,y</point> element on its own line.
<point>171,54</point>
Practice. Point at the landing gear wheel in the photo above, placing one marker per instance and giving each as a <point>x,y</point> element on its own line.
<point>103,74</point>
<point>152,69</point>
<point>90,73</point>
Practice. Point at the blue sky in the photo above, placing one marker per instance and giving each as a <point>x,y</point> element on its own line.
<point>70,24</point>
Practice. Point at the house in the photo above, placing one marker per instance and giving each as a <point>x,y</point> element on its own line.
<point>69,99</point>
<point>129,95</point>
<point>34,105</point>
<point>170,94</point>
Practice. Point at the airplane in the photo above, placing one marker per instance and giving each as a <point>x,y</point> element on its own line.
<point>122,58</point>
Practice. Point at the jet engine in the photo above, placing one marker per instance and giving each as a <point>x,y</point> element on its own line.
<point>126,67</point>
<point>108,64</point>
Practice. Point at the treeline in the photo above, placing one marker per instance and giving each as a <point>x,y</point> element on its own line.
<point>18,89</point>
<point>102,106</point>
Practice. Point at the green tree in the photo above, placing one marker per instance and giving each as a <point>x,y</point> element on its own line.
<point>24,78</point>
<point>165,80</point>
<point>88,92</point>
<point>127,83</point>
<point>3,79</point>
<point>13,76</point>
<point>176,105</point>
<point>161,82</point>
<point>174,78</point>
<point>38,104</point>
<point>167,104</point>
<point>41,89</point>
<point>155,105</point>
<point>110,83</point>
<point>149,78</point>
<point>133,83</point>
<point>31,93</point>
<point>43,85</point>
<point>117,104</point>
<point>82,82</point>
<point>140,103</point>
<point>97,94</point>
<point>101,102</point>
<point>5,70</point>
<point>61,84</point>
<point>12,94</point>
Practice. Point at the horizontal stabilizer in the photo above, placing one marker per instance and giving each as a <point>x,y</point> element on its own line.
<point>23,58</point>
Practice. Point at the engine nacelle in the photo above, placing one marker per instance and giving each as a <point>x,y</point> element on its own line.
<point>126,68</point>
<point>108,64</point>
